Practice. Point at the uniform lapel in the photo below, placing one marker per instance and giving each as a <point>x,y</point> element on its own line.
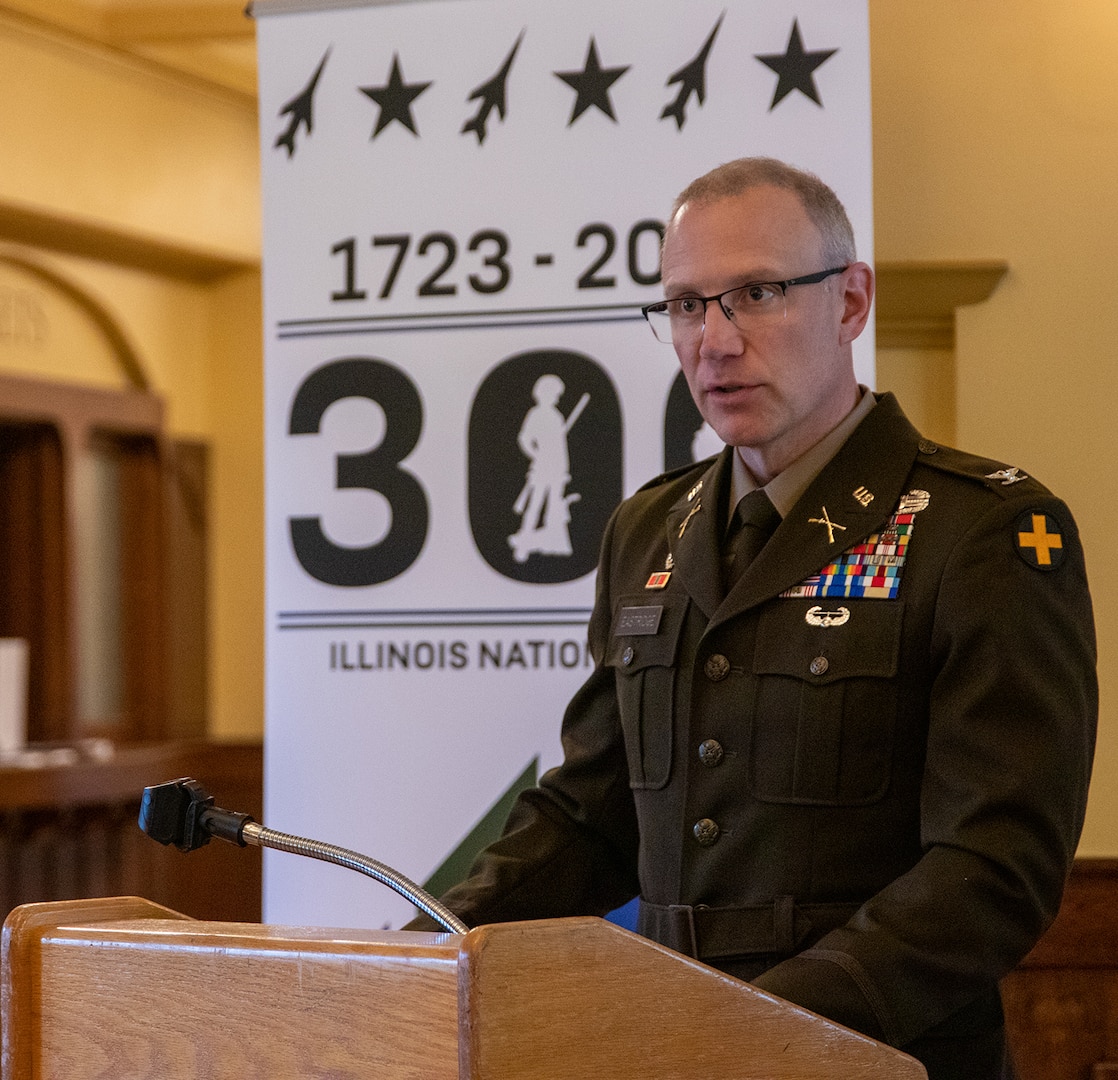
<point>695,535</point>
<point>857,492</point>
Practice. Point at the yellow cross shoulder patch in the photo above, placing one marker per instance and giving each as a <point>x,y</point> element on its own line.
<point>1039,540</point>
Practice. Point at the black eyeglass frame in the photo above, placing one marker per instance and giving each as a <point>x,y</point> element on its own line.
<point>807,279</point>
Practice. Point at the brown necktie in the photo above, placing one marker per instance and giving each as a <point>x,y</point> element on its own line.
<point>754,521</point>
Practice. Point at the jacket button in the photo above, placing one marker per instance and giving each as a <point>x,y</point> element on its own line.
<point>716,668</point>
<point>711,753</point>
<point>627,656</point>
<point>706,831</point>
<point>819,666</point>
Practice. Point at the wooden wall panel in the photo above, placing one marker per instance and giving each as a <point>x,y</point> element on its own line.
<point>187,483</point>
<point>70,832</point>
<point>34,596</point>
<point>1062,1002</point>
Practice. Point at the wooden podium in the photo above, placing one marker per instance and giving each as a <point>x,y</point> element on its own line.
<point>127,989</point>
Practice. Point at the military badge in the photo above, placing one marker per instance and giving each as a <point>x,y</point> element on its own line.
<point>915,501</point>
<point>816,616</point>
<point>1012,475</point>
<point>871,569</point>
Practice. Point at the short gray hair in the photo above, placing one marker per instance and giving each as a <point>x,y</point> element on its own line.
<point>822,205</point>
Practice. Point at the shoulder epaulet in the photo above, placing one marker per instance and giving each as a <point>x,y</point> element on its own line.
<point>1006,480</point>
<point>696,467</point>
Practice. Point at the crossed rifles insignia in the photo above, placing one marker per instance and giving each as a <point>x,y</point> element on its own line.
<point>830,525</point>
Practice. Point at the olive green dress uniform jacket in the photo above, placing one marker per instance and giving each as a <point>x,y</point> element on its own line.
<point>867,806</point>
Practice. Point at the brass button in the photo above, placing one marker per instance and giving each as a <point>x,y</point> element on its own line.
<point>711,753</point>
<point>627,656</point>
<point>819,666</point>
<point>716,668</point>
<point>926,446</point>
<point>706,831</point>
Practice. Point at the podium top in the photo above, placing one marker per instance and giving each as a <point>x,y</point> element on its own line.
<point>128,986</point>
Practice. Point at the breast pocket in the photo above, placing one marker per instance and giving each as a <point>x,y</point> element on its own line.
<point>644,643</point>
<point>824,713</point>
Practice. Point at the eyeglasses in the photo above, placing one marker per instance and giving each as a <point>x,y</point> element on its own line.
<point>681,320</point>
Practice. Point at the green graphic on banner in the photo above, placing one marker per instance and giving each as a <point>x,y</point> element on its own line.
<point>457,864</point>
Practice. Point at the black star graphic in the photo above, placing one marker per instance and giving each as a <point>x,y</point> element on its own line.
<point>395,99</point>
<point>795,68</point>
<point>493,95</point>
<point>692,79</point>
<point>592,84</point>
<point>301,110</point>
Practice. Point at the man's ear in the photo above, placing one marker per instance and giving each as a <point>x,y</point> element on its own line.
<point>857,297</point>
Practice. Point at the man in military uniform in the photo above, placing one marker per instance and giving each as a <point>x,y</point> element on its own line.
<point>852,770</point>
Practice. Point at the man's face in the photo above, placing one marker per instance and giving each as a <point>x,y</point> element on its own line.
<point>773,389</point>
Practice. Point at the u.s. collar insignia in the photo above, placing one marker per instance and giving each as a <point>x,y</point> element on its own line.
<point>1039,540</point>
<point>694,491</point>
<point>1012,475</point>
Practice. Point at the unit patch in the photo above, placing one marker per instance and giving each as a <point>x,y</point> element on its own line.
<point>1038,540</point>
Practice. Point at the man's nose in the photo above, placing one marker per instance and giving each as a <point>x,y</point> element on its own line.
<point>719,334</point>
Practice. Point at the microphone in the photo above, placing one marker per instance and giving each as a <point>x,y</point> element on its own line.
<point>182,812</point>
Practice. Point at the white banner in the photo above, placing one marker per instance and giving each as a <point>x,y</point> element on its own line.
<point>463,202</point>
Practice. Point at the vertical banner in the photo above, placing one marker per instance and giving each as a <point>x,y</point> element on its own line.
<point>463,205</point>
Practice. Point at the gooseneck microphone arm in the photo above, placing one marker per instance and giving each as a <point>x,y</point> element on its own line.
<point>182,813</point>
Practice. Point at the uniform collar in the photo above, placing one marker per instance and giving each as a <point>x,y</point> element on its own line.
<point>788,486</point>
<point>856,490</point>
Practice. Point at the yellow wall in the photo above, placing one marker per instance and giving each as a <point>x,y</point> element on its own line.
<point>237,510</point>
<point>120,151</point>
<point>94,135</point>
<point>994,137</point>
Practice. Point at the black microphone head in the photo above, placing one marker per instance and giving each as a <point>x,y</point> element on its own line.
<point>170,813</point>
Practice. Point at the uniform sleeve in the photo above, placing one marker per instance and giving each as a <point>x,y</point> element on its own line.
<point>1012,718</point>
<point>569,846</point>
